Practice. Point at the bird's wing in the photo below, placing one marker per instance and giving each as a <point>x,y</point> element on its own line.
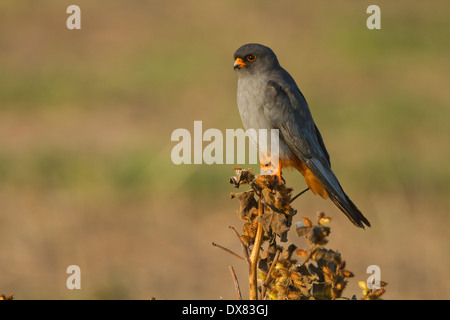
<point>287,110</point>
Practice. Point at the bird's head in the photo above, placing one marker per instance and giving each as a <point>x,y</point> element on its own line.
<point>252,58</point>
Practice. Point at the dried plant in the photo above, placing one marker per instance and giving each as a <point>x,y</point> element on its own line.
<point>275,271</point>
<point>372,294</point>
<point>286,272</point>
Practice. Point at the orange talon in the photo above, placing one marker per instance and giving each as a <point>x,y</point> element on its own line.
<point>275,171</point>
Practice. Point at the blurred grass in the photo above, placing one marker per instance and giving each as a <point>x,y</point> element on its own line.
<point>86,118</point>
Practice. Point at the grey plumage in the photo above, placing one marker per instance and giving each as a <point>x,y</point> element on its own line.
<point>269,98</point>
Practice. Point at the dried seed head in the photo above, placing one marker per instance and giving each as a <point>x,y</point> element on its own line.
<point>378,293</point>
<point>347,273</point>
<point>327,274</point>
<point>324,220</point>
<point>273,294</point>
<point>294,295</point>
<point>307,222</point>
<point>301,252</point>
<point>363,285</point>
<point>276,273</point>
<point>261,181</point>
<point>297,279</point>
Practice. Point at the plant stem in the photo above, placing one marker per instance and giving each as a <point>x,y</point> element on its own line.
<point>269,275</point>
<point>254,257</point>
<point>227,250</point>
<point>236,283</point>
<point>244,247</point>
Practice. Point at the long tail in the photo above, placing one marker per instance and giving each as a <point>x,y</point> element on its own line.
<point>350,210</point>
<point>322,181</point>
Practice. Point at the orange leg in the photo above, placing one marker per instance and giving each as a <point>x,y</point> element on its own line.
<point>277,173</point>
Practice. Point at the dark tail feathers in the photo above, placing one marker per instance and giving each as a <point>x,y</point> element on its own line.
<point>350,210</point>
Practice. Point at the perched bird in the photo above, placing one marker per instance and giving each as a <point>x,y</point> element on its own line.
<point>268,98</point>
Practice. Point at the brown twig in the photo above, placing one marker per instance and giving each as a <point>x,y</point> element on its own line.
<point>254,257</point>
<point>236,283</point>
<point>244,247</point>
<point>227,250</point>
<point>269,275</point>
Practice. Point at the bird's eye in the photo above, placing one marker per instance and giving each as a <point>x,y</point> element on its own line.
<point>251,57</point>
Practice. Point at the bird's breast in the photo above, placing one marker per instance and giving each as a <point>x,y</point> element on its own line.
<point>250,101</point>
<point>251,97</point>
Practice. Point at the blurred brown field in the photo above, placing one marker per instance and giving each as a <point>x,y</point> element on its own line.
<point>86,118</point>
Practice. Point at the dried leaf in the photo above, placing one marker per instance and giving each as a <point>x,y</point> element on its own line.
<point>302,229</point>
<point>286,254</point>
<point>247,204</point>
<point>319,235</point>
<point>327,257</point>
<point>241,177</point>
<point>263,266</point>
<point>275,222</point>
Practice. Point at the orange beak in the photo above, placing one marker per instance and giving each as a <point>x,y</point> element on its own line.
<point>238,63</point>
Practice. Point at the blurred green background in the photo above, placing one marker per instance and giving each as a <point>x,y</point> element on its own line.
<point>86,118</point>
